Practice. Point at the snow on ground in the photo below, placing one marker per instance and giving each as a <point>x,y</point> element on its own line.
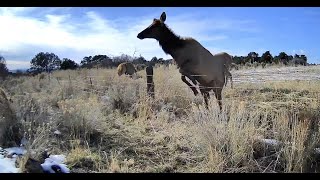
<point>8,159</point>
<point>7,165</point>
<point>16,151</point>
<point>271,142</point>
<point>55,162</point>
<point>259,75</point>
<point>57,132</point>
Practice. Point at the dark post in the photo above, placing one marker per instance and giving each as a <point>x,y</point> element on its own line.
<point>91,83</point>
<point>150,84</point>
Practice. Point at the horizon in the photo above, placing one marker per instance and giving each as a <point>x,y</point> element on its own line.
<point>76,32</point>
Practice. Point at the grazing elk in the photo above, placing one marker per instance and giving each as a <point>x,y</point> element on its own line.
<point>194,61</point>
<point>140,67</point>
<point>126,68</point>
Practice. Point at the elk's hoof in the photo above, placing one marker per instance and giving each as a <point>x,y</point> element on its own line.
<point>195,93</point>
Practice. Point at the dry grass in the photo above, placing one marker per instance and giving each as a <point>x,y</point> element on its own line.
<point>108,124</point>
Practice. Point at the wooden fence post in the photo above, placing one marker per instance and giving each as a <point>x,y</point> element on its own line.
<point>91,83</point>
<point>150,84</point>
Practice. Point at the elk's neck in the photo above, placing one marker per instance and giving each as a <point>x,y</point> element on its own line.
<point>170,42</point>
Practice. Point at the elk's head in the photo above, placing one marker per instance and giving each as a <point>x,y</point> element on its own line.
<point>155,29</point>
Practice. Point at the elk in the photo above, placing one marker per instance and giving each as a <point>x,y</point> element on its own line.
<point>194,61</point>
<point>126,68</point>
<point>140,67</point>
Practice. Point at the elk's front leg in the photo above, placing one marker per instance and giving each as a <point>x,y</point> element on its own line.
<point>193,88</point>
<point>186,73</point>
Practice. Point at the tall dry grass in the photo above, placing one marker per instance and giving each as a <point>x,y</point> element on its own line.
<point>109,124</point>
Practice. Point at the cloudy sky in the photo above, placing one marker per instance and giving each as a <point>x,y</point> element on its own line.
<point>78,32</point>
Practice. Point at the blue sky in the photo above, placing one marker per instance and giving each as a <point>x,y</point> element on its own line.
<point>77,32</point>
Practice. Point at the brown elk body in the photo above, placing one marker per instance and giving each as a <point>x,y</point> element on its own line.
<point>140,67</point>
<point>194,61</point>
<point>126,68</point>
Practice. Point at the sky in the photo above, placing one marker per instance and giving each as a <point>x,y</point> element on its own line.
<point>76,32</point>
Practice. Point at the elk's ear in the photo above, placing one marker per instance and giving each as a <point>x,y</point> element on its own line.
<point>163,17</point>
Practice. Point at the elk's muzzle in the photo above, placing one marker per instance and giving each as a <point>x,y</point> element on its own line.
<point>140,36</point>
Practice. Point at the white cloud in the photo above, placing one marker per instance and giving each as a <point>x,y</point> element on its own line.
<point>16,10</point>
<point>23,36</point>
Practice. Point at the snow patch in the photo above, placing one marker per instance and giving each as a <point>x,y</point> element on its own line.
<point>8,165</point>
<point>9,156</point>
<point>105,99</point>
<point>55,162</point>
<point>16,150</point>
<point>57,132</point>
<point>271,142</point>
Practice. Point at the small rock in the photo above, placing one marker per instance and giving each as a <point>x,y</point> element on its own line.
<point>56,168</point>
<point>33,166</point>
<point>44,155</point>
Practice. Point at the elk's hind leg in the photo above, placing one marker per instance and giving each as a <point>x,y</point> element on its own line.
<point>218,92</point>
<point>217,88</point>
<point>230,77</point>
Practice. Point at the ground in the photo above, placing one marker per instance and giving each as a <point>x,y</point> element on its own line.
<point>105,123</point>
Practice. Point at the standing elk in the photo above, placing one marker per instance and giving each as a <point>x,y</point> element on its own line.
<point>140,67</point>
<point>126,68</point>
<point>194,61</point>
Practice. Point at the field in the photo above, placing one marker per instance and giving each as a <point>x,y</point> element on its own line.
<point>106,123</point>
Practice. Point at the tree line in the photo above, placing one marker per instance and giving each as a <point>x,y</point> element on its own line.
<point>267,58</point>
<point>47,62</point>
